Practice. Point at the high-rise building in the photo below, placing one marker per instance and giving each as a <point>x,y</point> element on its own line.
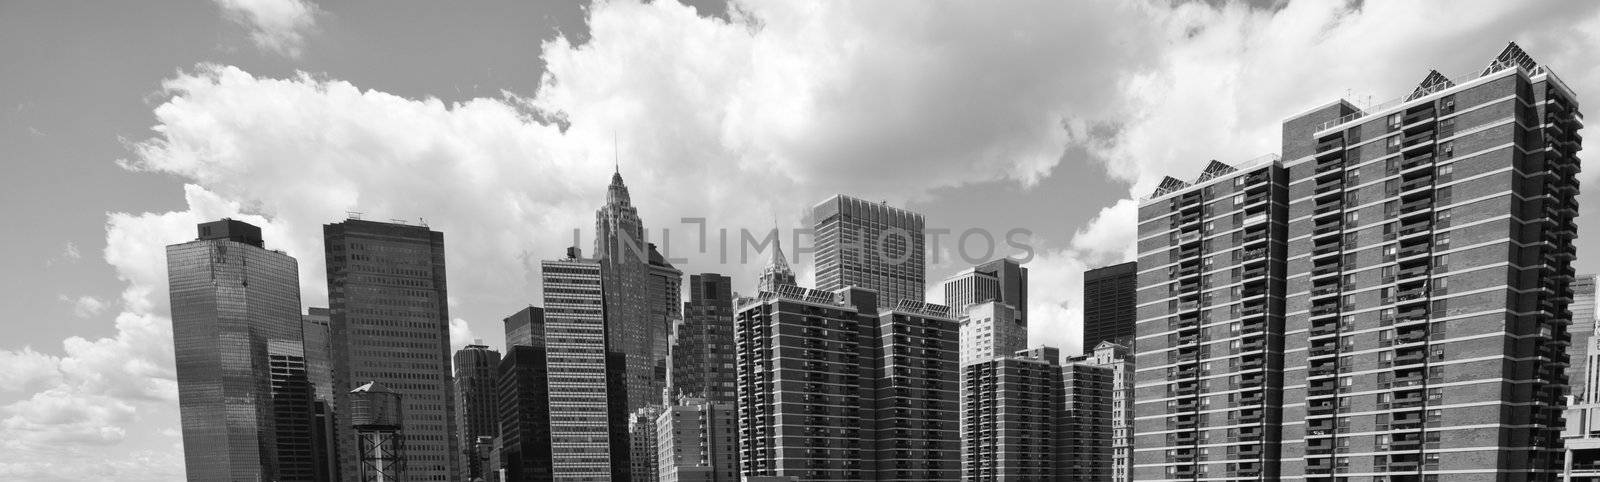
<point>1003,280</point>
<point>1085,421</point>
<point>1418,254</point>
<point>391,325</point>
<point>524,411</point>
<point>524,326</point>
<point>870,245</point>
<point>991,302</point>
<point>1430,267</point>
<point>990,330</point>
<point>666,313</point>
<point>703,358</point>
<point>1011,413</point>
<point>1119,359</point>
<point>698,441</point>
<point>644,445</point>
<point>1208,363</point>
<point>1582,433</point>
<point>477,404</point>
<point>1109,296</point>
<point>832,388</point>
<point>635,295</point>
<point>318,344</point>
<point>588,426</point>
<point>1582,329</point>
<point>243,393</point>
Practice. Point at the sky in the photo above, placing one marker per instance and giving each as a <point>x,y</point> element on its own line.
<point>123,124</point>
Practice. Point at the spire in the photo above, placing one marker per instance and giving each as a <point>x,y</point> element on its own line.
<point>777,272</point>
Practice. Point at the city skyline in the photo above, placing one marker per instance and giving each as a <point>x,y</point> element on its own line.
<point>125,126</point>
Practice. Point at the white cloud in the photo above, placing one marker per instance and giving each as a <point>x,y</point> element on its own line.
<point>460,334</point>
<point>728,121</point>
<point>278,26</point>
<point>84,306</point>
<point>70,252</point>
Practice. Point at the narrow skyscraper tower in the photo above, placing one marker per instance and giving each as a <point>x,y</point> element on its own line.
<point>387,302</point>
<point>243,395</point>
<point>870,245</point>
<point>633,327</point>
<point>477,404</point>
<point>588,415</point>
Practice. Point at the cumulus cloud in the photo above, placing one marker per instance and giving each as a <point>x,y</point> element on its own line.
<point>460,334</point>
<point>730,120</point>
<point>277,26</point>
<point>84,306</point>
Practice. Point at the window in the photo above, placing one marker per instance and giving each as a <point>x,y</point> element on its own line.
<point>1447,105</point>
<point>1238,199</point>
<point>1449,149</point>
<point>1394,120</point>
<point>1393,142</point>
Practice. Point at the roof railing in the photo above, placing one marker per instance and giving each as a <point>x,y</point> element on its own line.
<point>1493,68</point>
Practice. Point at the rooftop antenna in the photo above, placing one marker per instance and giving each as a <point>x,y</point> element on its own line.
<point>616,153</point>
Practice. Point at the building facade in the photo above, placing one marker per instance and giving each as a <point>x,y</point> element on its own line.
<point>1109,296</point>
<point>316,333</point>
<point>698,441</point>
<point>524,453</point>
<point>1209,330</point>
<point>523,327</point>
<point>243,395</point>
<point>1003,280</point>
<point>1582,434</point>
<point>387,302</point>
<point>1011,415</point>
<point>1119,359</point>
<point>588,417</point>
<point>703,358</point>
<point>831,388</point>
<point>1085,421</point>
<point>1430,251</point>
<point>869,245</point>
<point>477,405</point>
<point>634,327</point>
<point>645,447</point>
<point>990,330</point>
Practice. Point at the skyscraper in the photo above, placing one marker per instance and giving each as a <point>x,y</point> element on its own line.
<point>1582,434</point>
<point>588,425</point>
<point>1419,256</point>
<point>315,332</point>
<point>633,327</point>
<point>523,326</point>
<point>1210,330</point>
<point>644,445</point>
<point>991,302</point>
<point>704,356</point>
<point>698,441</point>
<point>1003,280</point>
<point>391,325</point>
<point>1429,286</point>
<point>1119,359</point>
<point>869,245</point>
<point>666,312</point>
<point>1011,415</point>
<point>242,399</point>
<point>477,404</point>
<point>524,411</point>
<point>1085,421</point>
<point>1109,296</point>
<point>1582,329</point>
<point>832,388</point>
<point>990,330</point>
